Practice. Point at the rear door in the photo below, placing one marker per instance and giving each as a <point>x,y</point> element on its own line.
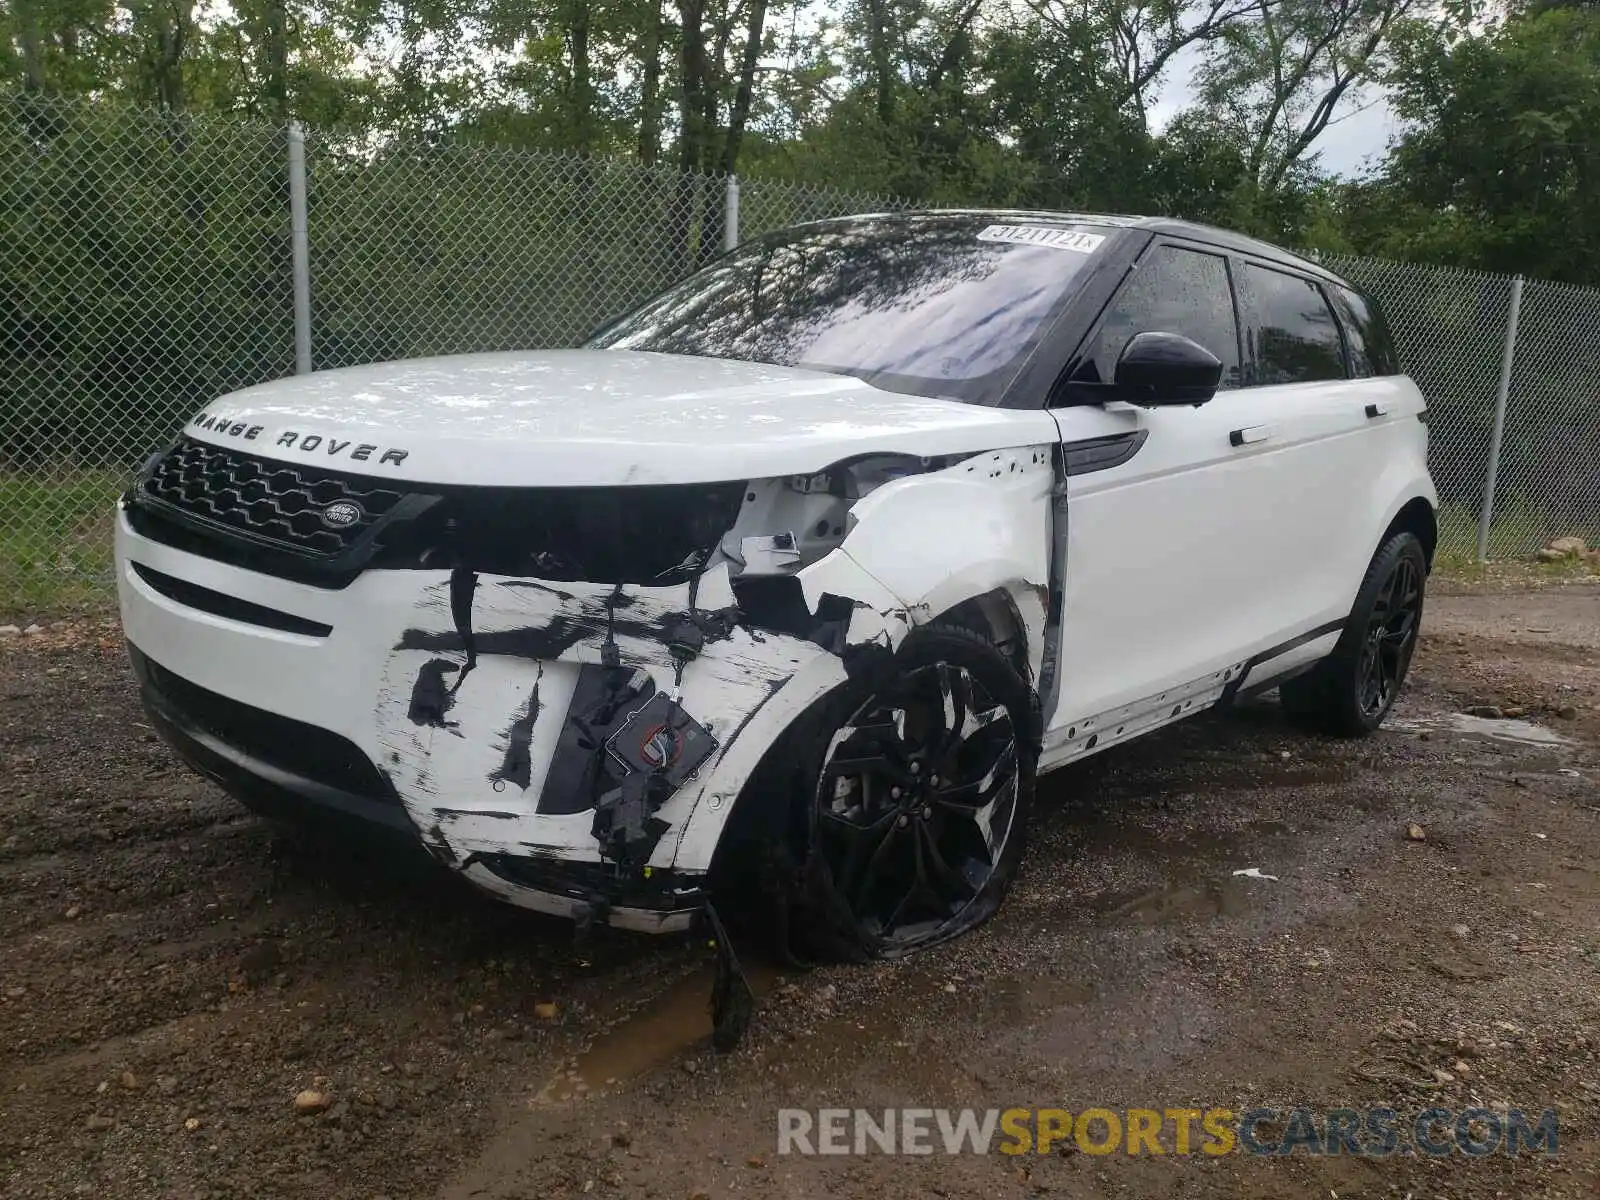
<point>1325,465</point>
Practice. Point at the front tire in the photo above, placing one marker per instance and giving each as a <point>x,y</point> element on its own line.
<point>1351,691</point>
<point>914,808</point>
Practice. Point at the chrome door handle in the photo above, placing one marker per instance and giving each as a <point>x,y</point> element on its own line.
<point>1250,434</point>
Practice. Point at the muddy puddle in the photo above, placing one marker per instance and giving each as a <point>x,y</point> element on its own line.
<point>1499,729</point>
<point>674,1021</point>
<point>1179,901</point>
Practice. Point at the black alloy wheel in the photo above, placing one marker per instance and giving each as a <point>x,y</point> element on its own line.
<point>1391,637</point>
<point>1350,692</point>
<point>918,812</point>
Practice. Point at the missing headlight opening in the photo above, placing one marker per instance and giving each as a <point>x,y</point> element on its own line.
<point>641,535</point>
<point>787,524</point>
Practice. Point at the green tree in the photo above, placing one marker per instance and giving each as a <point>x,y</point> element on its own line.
<point>1279,76</point>
<point>1499,165</point>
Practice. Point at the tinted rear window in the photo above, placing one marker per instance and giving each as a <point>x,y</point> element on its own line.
<point>940,308</point>
<point>1290,333</point>
<point>1366,334</point>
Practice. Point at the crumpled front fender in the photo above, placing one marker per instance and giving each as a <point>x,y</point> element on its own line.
<point>590,723</point>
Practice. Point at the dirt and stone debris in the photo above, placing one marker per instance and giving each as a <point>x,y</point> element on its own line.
<point>1228,913</point>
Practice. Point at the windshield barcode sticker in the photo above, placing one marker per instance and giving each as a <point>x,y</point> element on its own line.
<point>1043,235</point>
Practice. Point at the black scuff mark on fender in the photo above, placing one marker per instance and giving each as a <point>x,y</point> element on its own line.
<point>535,642</point>
<point>517,765</point>
<point>463,586</point>
<point>774,686</point>
<point>539,585</point>
<point>542,852</point>
<point>542,643</point>
<point>433,838</point>
<point>456,814</point>
<point>596,622</point>
<point>430,697</point>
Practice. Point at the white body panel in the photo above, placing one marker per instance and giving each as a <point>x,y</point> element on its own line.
<point>1199,552</point>
<point>1178,567</point>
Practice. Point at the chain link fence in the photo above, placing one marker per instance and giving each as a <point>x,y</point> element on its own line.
<point>1449,329</point>
<point>149,266</point>
<point>1488,351</point>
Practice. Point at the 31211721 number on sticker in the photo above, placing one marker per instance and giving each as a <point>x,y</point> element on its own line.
<point>1043,235</point>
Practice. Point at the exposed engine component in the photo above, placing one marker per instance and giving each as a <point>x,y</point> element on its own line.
<point>787,524</point>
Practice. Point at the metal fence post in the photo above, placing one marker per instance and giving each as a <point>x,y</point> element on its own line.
<point>300,248</point>
<point>730,215</point>
<point>1498,436</point>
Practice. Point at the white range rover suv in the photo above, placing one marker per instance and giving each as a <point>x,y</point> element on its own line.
<point>798,574</point>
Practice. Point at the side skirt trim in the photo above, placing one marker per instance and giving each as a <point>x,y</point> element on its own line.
<point>1216,689</point>
<point>1095,733</point>
<point>1272,652</point>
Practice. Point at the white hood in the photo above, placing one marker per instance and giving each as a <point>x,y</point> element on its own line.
<point>594,418</point>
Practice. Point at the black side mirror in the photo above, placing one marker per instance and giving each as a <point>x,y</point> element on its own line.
<point>1166,368</point>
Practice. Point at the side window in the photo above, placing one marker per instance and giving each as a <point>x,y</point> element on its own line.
<point>1289,330</point>
<point>1366,334</point>
<point>1174,290</point>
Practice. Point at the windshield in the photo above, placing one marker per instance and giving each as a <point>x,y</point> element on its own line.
<point>933,306</point>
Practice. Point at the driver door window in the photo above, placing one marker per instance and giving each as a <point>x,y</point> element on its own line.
<point>1172,290</point>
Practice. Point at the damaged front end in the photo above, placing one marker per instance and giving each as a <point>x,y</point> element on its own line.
<point>567,693</point>
<point>573,682</point>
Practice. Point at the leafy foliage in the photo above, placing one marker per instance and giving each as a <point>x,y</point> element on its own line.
<point>1500,165</point>
<point>1036,102</point>
<point>1048,103</point>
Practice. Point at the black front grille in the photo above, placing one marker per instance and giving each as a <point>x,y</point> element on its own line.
<point>271,517</point>
<point>286,511</point>
<point>293,746</point>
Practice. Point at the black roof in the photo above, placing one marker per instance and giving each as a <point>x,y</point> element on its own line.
<point>1224,238</point>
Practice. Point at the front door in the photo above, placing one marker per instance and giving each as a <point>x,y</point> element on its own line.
<point>1172,575</point>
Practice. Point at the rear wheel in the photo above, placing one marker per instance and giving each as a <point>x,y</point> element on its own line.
<point>1350,692</point>
<point>917,801</point>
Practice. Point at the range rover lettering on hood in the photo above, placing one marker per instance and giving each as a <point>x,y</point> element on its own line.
<point>306,443</point>
<point>597,418</point>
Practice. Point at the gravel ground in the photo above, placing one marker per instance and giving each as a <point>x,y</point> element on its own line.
<point>175,974</point>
